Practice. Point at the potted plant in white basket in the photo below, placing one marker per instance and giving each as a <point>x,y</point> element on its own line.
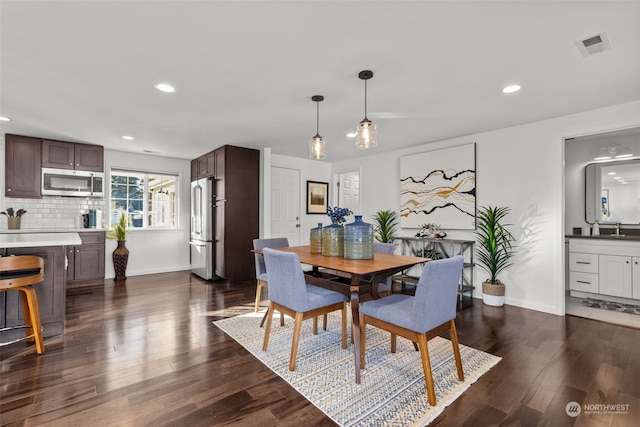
<point>495,249</point>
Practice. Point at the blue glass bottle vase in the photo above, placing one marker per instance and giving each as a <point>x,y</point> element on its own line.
<point>358,239</point>
<point>316,239</point>
<point>333,240</point>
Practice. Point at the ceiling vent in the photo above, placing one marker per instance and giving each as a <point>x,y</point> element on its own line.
<point>596,44</point>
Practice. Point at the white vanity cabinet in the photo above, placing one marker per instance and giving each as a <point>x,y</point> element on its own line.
<point>605,267</point>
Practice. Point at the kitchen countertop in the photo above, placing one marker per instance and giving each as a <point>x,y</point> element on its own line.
<point>26,240</point>
<point>52,230</point>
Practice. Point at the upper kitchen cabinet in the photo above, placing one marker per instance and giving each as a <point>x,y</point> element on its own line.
<point>69,155</point>
<point>203,167</point>
<point>23,159</point>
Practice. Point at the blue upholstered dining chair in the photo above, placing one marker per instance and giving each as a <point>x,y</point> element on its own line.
<point>261,269</point>
<point>290,294</point>
<point>385,248</point>
<point>419,318</point>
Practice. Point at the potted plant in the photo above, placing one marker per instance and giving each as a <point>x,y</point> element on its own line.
<point>495,249</point>
<point>13,217</point>
<point>119,231</point>
<point>385,224</point>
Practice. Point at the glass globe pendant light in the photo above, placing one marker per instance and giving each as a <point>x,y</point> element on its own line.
<point>317,145</point>
<point>366,134</point>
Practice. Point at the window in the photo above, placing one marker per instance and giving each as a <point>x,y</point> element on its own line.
<point>149,198</point>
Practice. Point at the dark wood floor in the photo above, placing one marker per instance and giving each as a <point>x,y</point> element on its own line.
<point>146,353</point>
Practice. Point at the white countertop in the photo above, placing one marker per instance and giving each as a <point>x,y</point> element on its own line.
<point>27,240</point>
<point>51,230</point>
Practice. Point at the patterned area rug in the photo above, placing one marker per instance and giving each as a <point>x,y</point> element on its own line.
<point>613,306</point>
<point>392,390</point>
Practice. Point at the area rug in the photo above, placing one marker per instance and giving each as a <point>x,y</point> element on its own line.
<point>611,305</point>
<point>392,391</point>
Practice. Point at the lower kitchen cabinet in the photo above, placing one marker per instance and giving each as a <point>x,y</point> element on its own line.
<point>51,294</point>
<point>86,261</point>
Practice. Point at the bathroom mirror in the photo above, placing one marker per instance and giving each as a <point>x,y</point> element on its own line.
<point>613,192</point>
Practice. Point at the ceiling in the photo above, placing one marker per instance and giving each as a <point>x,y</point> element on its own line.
<point>244,72</point>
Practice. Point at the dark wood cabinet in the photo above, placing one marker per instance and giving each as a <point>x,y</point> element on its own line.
<point>203,167</point>
<point>69,155</point>
<point>51,294</point>
<point>23,159</point>
<point>236,211</point>
<point>86,261</point>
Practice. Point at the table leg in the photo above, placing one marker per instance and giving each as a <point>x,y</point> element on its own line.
<point>355,323</point>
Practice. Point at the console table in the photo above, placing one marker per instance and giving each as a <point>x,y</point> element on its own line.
<point>422,246</point>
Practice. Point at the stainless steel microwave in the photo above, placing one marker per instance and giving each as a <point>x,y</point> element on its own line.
<point>67,182</point>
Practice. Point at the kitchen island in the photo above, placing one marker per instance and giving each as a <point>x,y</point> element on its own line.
<point>51,292</point>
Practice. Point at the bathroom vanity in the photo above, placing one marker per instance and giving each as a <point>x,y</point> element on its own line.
<point>605,267</point>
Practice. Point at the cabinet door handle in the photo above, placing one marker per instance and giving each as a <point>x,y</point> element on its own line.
<point>582,281</point>
<point>583,262</point>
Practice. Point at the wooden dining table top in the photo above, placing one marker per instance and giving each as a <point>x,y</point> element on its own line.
<point>379,262</point>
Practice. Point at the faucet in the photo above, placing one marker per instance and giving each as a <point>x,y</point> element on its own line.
<point>617,228</point>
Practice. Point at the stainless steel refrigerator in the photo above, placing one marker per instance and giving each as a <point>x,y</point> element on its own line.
<point>201,241</point>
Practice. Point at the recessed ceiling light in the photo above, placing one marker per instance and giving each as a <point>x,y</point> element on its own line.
<point>164,87</point>
<point>350,134</point>
<point>127,137</point>
<point>4,119</point>
<point>511,89</point>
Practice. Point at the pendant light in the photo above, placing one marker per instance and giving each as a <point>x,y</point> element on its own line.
<point>317,145</point>
<point>366,135</point>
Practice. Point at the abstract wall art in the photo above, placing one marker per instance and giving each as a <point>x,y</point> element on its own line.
<point>439,187</point>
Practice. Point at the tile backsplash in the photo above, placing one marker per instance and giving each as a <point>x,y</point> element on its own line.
<point>51,211</point>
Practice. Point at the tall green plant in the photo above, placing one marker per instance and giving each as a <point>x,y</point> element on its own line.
<point>385,224</point>
<point>495,241</point>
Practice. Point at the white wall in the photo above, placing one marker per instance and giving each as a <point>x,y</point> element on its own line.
<point>154,251</point>
<point>310,170</point>
<point>521,167</point>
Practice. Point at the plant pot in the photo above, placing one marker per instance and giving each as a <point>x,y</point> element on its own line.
<point>13,222</point>
<point>493,294</point>
<point>120,260</point>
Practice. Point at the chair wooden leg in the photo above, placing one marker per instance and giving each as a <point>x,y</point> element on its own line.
<point>26,313</point>
<point>315,326</point>
<point>456,349</point>
<point>265,343</point>
<point>324,322</point>
<point>281,319</point>
<point>258,294</point>
<point>394,340</point>
<point>426,366</point>
<point>33,312</point>
<point>297,326</point>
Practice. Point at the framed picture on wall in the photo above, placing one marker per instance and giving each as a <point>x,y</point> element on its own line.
<point>317,197</point>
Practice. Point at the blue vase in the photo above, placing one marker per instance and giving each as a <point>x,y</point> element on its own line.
<point>316,239</point>
<point>358,239</point>
<point>333,240</point>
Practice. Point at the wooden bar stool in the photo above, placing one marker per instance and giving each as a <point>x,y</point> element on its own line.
<point>19,273</point>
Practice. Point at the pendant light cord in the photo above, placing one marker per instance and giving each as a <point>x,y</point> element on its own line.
<point>317,117</point>
<point>365,99</point>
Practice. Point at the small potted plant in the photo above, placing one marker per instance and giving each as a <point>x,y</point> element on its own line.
<point>13,217</point>
<point>384,225</point>
<point>119,231</point>
<point>495,249</point>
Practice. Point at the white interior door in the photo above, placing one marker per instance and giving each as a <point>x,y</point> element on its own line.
<point>285,204</point>
<point>349,191</point>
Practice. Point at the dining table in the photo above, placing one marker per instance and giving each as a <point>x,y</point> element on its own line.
<point>362,275</point>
